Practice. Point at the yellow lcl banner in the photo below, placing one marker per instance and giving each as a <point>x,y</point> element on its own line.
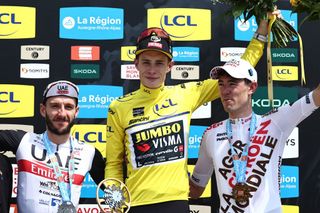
<point>17,22</point>
<point>16,101</point>
<point>182,24</point>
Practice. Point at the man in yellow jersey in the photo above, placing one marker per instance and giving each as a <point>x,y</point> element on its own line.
<point>148,129</point>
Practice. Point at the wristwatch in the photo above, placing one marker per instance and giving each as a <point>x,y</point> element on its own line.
<point>260,37</point>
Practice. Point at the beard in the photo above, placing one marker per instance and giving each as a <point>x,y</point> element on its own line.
<point>57,131</point>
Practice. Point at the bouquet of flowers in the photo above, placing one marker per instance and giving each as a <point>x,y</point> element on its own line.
<point>311,7</point>
<point>282,31</point>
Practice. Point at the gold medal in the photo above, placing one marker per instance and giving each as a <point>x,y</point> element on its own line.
<point>241,192</point>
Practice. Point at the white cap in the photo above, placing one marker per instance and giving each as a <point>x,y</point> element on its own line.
<point>236,68</point>
<point>61,88</point>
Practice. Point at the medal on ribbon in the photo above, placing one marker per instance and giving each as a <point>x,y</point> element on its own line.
<point>67,207</point>
<point>241,191</point>
<point>116,196</point>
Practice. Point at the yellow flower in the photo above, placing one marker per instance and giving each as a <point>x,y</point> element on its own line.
<point>294,3</point>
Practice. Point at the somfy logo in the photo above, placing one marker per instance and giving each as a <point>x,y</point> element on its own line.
<point>230,53</point>
<point>36,71</point>
<point>291,149</point>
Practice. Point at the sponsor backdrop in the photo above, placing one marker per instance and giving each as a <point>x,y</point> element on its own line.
<point>92,44</point>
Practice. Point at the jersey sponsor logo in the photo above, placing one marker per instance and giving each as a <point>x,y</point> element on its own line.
<point>282,96</point>
<point>159,141</point>
<point>52,185</point>
<point>290,209</point>
<point>85,53</point>
<point>229,53</point>
<point>284,73</point>
<point>291,149</point>
<point>126,97</point>
<point>93,134</point>
<point>44,202</point>
<point>14,180</point>
<point>16,101</point>
<point>204,111</point>
<point>129,71</point>
<point>141,119</point>
<point>85,71</point>
<point>128,53</point>
<point>36,71</point>
<point>139,111</point>
<point>46,171</point>
<point>185,72</point>
<point>186,54</point>
<point>207,190</point>
<point>91,23</point>
<point>194,141</point>
<point>182,24</point>
<point>55,201</point>
<point>286,55</point>
<point>244,30</point>
<point>167,107</point>
<point>221,136</point>
<point>94,100</point>
<point>51,194</point>
<point>35,52</point>
<point>200,209</point>
<point>17,22</point>
<point>289,182</point>
<point>259,155</point>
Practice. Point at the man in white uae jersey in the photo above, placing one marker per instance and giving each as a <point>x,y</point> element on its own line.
<point>53,165</point>
<point>245,150</point>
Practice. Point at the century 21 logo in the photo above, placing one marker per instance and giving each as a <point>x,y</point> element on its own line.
<point>182,24</point>
<point>17,22</point>
<point>16,101</point>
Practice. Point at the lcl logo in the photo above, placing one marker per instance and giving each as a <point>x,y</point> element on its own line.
<point>179,20</point>
<point>91,137</point>
<point>8,18</point>
<point>6,97</point>
<point>284,71</point>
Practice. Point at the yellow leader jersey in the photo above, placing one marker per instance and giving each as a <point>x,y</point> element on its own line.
<point>149,130</point>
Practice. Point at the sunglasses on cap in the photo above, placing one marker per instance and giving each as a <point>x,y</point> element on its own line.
<point>154,31</point>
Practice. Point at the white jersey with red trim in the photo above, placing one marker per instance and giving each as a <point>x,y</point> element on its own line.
<point>264,156</point>
<point>38,190</point>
